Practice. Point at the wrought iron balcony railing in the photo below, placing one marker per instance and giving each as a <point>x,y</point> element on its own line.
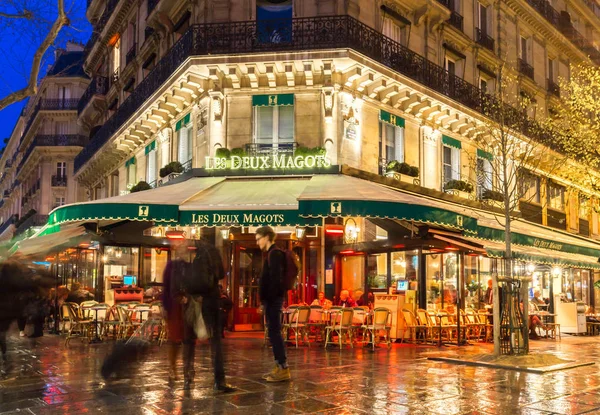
<point>7,223</point>
<point>562,22</point>
<point>256,149</point>
<point>525,68</point>
<point>447,3</point>
<point>98,86</point>
<point>33,220</point>
<point>148,31</point>
<point>311,33</point>
<point>110,7</point>
<point>53,140</point>
<point>553,88</point>
<point>485,40</point>
<point>131,54</point>
<point>59,181</point>
<point>456,20</point>
<point>49,105</point>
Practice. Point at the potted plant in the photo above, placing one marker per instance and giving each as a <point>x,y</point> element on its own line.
<point>172,167</point>
<point>223,153</point>
<point>493,198</point>
<point>141,186</point>
<point>459,188</point>
<point>473,286</point>
<point>238,151</point>
<point>403,172</point>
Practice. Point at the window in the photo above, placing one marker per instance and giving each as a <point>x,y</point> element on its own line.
<point>185,148</point>
<point>450,66</point>
<point>151,167</point>
<point>59,201</point>
<point>274,127</point>
<point>274,21</point>
<point>483,85</point>
<point>584,208</point>
<point>64,93</point>
<point>524,49</point>
<point>551,70</point>
<point>116,56</point>
<point>391,142</point>
<point>484,175</point>
<point>394,31</point>
<point>131,172</point>
<point>165,153</point>
<point>451,161</point>
<point>530,188</point>
<point>556,196</point>
<point>482,18</point>
<point>114,184</point>
<point>61,169</point>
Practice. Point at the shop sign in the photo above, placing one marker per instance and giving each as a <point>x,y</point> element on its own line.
<point>267,162</point>
<point>539,243</point>
<point>247,219</point>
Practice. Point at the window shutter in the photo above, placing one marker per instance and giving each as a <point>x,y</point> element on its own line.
<point>151,166</point>
<point>399,144</point>
<point>286,124</point>
<point>456,163</point>
<point>264,122</point>
<point>190,144</point>
<point>183,146</point>
<point>165,150</point>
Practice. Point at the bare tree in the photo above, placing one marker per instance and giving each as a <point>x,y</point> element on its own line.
<point>511,146</point>
<point>31,29</point>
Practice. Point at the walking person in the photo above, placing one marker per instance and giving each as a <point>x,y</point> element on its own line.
<point>225,305</point>
<point>272,292</point>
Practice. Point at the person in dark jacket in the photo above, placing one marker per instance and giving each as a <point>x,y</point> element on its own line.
<point>272,293</point>
<point>225,304</point>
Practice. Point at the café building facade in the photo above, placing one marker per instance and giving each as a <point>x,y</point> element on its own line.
<point>289,116</point>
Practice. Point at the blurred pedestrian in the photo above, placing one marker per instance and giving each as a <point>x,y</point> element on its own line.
<point>272,292</point>
<point>225,305</point>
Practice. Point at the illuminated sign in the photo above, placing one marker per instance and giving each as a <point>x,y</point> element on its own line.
<point>267,162</point>
<point>248,219</point>
<point>539,243</point>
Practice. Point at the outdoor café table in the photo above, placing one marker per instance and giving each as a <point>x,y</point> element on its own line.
<point>95,309</point>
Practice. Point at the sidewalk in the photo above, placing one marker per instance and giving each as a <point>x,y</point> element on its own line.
<point>61,380</point>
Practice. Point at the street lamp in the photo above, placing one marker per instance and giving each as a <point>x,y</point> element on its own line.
<point>556,272</point>
<point>300,232</point>
<point>530,268</point>
<point>225,233</point>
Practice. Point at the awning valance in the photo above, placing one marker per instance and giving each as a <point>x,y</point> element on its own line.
<point>485,155</point>
<point>451,142</point>
<point>272,100</point>
<point>391,118</point>
<point>150,147</point>
<point>183,122</point>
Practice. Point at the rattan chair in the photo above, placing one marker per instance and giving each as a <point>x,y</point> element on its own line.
<point>78,327</point>
<point>340,326</point>
<point>379,322</point>
<point>412,325</point>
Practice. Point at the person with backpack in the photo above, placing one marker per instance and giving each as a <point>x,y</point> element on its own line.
<point>275,281</point>
<point>202,288</point>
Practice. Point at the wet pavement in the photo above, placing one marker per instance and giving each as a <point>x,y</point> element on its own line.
<point>53,379</point>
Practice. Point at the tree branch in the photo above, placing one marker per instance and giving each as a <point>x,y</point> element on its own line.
<point>31,88</point>
<point>25,14</point>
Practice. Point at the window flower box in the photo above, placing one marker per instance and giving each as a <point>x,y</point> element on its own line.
<point>403,172</point>
<point>459,188</point>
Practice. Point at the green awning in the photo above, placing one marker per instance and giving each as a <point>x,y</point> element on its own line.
<point>485,155</point>
<point>451,142</point>
<point>391,118</point>
<point>183,122</point>
<point>245,218</point>
<point>551,260</point>
<point>342,196</point>
<point>272,100</point>
<point>521,239</point>
<point>150,147</point>
<point>114,211</point>
<point>130,162</point>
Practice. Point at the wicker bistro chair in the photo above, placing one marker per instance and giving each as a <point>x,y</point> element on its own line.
<point>482,316</point>
<point>426,320</point>
<point>126,326</point>
<point>381,321</point>
<point>84,309</point>
<point>111,322</point>
<point>474,324</point>
<point>341,323</point>
<point>63,318</point>
<point>447,325</point>
<point>78,327</point>
<point>299,324</point>
<point>316,321</point>
<point>412,325</point>
<point>359,319</point>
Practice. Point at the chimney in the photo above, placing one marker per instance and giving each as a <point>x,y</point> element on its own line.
<point>73,46</point>
<point>57,53</point>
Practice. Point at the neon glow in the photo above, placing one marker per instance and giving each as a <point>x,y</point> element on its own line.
<point>266,162</point>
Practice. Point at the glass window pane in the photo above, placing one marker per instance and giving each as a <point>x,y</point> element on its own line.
<point>286,124</point>
<point>376,272</point>
<point>264,125</point>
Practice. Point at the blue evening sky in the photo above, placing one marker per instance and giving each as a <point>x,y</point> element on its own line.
<point>19,41</point>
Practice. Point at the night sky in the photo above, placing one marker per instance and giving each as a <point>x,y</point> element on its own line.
<point>19,41</point>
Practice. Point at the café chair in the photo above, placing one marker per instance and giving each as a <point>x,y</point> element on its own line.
<point>78,327</point>
<point>425,319</point>
<point>379,322</point>
<point>412,325</point>
<point>316,321</point>
<point>341,323</point>
<point>299,324</point>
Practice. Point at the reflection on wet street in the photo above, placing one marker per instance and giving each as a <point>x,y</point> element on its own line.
<point>53,379</point>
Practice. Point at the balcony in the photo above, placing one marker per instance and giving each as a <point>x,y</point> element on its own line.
<point>485,40</point>
<point>593,7</point>
<point>552,88</point>
<point>98,86</point>
<point>53,140</point>
<point>6,193</point>
<point>114,77</point>
<point>456,20</point>
<point>49,105</point>
<point>301,34</point>
<point>59,181</point>
<point>131,54</point>
<point>7,223</point>
<point>101,23</point>
<point>255,149</point>
<point>446,3</point>
<point>562,22</point>
<point>525,68</point>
